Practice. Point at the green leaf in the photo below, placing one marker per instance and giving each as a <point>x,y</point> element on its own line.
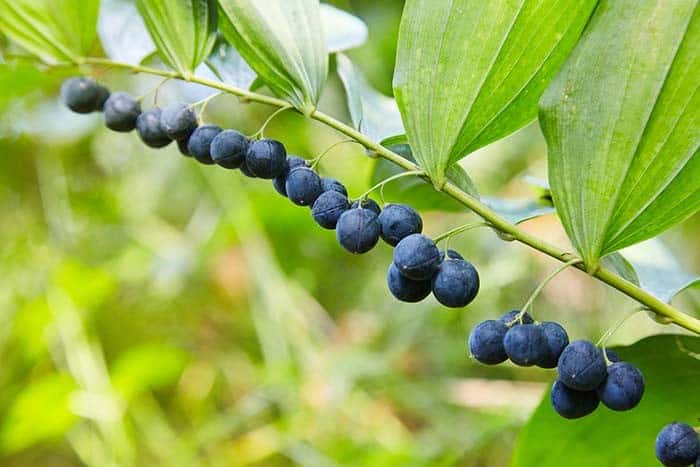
<point>342,30</point>
<point>621,122</point>
<point>53,30</point>
<point>228,65</point>
<point>671,372</point>
<point>282,40</point>
<point>184,31</point>
<point>516,211</point>
<point>147,367</point>
<point>123,34</point>
<point>469,72</point>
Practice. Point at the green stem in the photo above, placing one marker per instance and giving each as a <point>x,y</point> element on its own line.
<point>544,283</point>
<point>410,173</point>
<point>458,230</point>
<point>496,221</point>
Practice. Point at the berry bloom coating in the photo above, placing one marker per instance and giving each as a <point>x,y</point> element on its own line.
<point>266,158</point>
<point>570,403</point>
<point>450,254</point>
<point>582,366</point>
<point>199,144</point>
<point>486,342</point>
<point>417,257</point>
<point>525,344</point>
<point>556,340</point>
<point>399,221</point>
<point>357,229</point>
<point>149,129</point>
<point>228,149</point>
<point>102,96</point>
<point>677,445</point>
<point>178,121</point>
<point>303,186</point>
<point>368,203</point>
<point>121,111</point>
<point>623,388</point>
<point>328,207</point>
<point>509,317</point>
<point>331,184</point>
<point>81,94</point>
<point>280,181</point>
<point>246,171</point>
<point>456,283</point>
<point>406,290</point>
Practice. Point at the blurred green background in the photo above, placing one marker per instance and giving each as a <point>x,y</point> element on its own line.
<point>157,312</point>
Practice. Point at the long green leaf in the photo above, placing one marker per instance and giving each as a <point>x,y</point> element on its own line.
<point>282,40</point>
<point>621,122</point>
<point>184,31</point>
<point>469,72</point>
<point>53,30</point>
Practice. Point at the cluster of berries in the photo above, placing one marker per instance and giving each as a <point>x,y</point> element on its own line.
<point>585,377</point>
<point>678,445</point>
<point>418,267</point>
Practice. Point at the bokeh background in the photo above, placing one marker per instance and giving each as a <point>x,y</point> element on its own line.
<point>157,312</point>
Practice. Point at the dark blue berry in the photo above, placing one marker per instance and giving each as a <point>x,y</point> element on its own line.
<point>612,355</point>
<point>525,344</point>
<point>280,181</point>
<point>570,403</point>
<point>623,388</point>
<point>556,341</point>
<point>486,342</point>
<point>178,121</point>
<point>399,221</point>
<point>331,184</point>
<point>510,318</point>
<point>303,186</point>
<point>417,257</point>
<point>199,144</point>
<point>450,254</point>
<point>228,149</point>
<point>368,203</point>
<point>266,158</point>
<point>182,146</point>
<point>582,366</point>
<point>121,111</point>
<point>82,95</point>
<point>357,229</point>
<point>149,129</point>
<point>102,96</point>
<point>677,445</point>
<point>328,207</point>
<point>404,289</point>
<point>456,283</point>
<point>246,171</point>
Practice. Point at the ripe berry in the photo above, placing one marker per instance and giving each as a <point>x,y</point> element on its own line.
<point>486,342</point>
<point>121,111</point>
<point>182,146</point>
<point>456,283</point>
<point>510,317</point>
<point>280,181</point>
<point>368,203</point>
<point>246,171</point>
<point>303,186</point>
<point>570,403</point>
<point>266,158</point>
<point>623,388</point>
<point>328,207</point>
<point>556,340</point>
<point>83,95</point>
<point>582,366</point>
<point>102,96</point>
<point>149,129</point>
<point>417,257</point>
<point>331,184</point>
<point>404,289</point>
<point>612,355</point>
<point>399,221</point>
<point>677,445</point>
<point>178,121</point>
<point>199,144</point>
<point>357,229</point>
<point>525,344</point>
<point>450,254</point>
<point>228,149</point>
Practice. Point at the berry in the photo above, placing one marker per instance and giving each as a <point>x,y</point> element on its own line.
<point>677,445</point>
<point>182,146</point>
<point>199,144</point>
<point>509,317</point>
<point>178,121</point>
<point>121,111</point>
<point>357,229</point>
<point>82,95</point>
<point>303,186</point>
<point>525,344</point>
<point>417,257</point>
<point>280,181</point>
<point>486,342</point>
<point>331,184</point>
<point>556,340</point>
<point>399,221</point>
<point>570,403</point>
<point>149,129</point>
<point>246,171</point>
<point>450,254</point>
<point>612,355</point>
<point>266,158</point>
<point>404,289</point>
<point>102,96</point>
<point>582,366</point>
<point>228,149</point>
<point>623,388</point>
<point>456,283</point>
<point>328,207</point>
<point>367,203</point>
